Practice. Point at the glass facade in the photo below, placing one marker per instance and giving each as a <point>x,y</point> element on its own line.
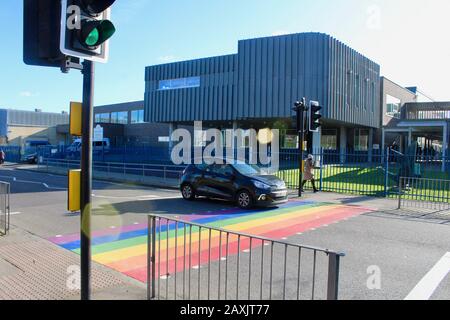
<point>173,84</point>
<point>361,140</point>
<point>137,116</point>
<point>102,118</point>
<point>329,140</point>
<point>119,117</point>
<point>393,106</point>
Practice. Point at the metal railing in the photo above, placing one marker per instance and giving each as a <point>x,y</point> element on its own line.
<point>135,169</point>
<point>5,190</point>
<point>422,193</point>
<point>192,261</point>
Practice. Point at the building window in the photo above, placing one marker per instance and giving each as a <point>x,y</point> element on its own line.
<point>361,139</point>
<point>329,140</point>
<point>393,106</point>
<point>102,118</point>
<point>137,116</point>
<point>182,83</point>
<point>119,117</point>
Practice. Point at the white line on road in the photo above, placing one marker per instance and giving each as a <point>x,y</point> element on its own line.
<point>428,285</point>
<point>137,198</point>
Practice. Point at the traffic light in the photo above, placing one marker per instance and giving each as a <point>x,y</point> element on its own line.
<point>86,29</point>
<point>314,116</point>
<point>41,31</point>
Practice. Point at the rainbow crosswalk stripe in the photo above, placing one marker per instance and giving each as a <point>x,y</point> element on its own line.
<point>125,249</point>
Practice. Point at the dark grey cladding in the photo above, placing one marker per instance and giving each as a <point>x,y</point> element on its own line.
<point>265,78</point>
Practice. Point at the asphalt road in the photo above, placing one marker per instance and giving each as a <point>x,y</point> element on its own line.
<point>386,256</point>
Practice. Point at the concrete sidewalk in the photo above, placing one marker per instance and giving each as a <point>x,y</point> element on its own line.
<point>32,268</point>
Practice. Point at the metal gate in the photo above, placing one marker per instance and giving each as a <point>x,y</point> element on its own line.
<point>198,262</point>
<point>428,194</point>
<point>4,208</point>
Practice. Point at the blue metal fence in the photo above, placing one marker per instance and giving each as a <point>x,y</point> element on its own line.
<point>373,172</point>
<point>13,154</point>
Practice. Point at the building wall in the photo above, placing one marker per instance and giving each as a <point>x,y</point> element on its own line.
<point>265,78</point>
<point>212,101</point>
<point>146,133</point>
<point>404,95</point>
<point>38,119</point>
<point>19,135</point>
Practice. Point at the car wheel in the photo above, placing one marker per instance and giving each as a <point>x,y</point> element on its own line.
<point>188,192</point>
<point>244,200</point>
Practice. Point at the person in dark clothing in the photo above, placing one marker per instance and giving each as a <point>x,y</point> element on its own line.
<point>2,157</point>
<point>308,174</point>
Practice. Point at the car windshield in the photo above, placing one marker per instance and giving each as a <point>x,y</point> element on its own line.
<point>247,170</point>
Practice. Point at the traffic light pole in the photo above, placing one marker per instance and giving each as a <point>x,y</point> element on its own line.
<point>301,136</point>
<point>86,178</point>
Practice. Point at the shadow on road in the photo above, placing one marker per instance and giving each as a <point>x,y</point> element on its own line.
<point>201,206</point>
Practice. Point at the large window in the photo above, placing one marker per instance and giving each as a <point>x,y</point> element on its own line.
<point>137,116</point>
<point>173,84</point>
<point>393,107</point>
<point>119,117</point>
<point>361,139</point>
<point>102,118</point>
<point>329,140</point>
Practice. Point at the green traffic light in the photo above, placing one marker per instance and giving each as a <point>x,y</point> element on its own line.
<point>95,32</point>
<point>92,38</point>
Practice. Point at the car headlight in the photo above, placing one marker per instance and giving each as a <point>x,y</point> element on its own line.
<point>261,185</point>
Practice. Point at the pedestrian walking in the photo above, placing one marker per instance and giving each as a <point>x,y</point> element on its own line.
<point>308,173</point>
<point>2,156</point>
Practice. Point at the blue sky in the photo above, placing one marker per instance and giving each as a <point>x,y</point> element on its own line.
<point>409,38</point>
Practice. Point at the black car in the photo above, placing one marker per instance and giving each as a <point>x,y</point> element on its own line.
<point>31,158</point>
<point>242,183</point>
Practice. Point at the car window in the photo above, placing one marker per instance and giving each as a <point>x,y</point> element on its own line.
<point>248,170</point>
<point>222,169</point>
<point>201,167</point>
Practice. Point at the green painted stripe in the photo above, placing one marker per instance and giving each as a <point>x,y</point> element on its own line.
<point>121,244</point>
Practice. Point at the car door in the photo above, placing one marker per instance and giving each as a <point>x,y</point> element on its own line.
<point>205,183</point>
<point>222,182</point>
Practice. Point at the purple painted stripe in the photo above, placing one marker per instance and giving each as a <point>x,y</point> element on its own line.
<point>109,232</point>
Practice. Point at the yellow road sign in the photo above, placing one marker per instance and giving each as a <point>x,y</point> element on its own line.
<point>75,119</point>
<point>74,191</point>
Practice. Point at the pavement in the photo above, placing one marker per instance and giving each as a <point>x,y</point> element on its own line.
<point>389,253</point>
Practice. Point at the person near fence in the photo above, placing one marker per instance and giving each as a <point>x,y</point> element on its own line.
<point>2,156</point>
<point>308,173</point>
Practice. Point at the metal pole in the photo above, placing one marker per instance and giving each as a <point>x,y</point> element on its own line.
<point>333,276</point>
<point>86,178</point>
<point>301,136</point>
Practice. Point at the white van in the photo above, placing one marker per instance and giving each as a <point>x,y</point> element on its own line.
<point>97,146</point>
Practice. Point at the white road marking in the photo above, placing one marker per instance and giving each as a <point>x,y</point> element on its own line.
<point>15,213</point>
<point>14,179</point>
<point>428,285</point>
<point>136,198</point>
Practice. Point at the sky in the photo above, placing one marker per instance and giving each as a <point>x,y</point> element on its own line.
<point>408,38</point>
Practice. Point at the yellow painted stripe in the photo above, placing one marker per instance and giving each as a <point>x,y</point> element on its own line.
<point>125,253</point>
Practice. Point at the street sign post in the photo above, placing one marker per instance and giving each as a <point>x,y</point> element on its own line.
<point>98,133</point>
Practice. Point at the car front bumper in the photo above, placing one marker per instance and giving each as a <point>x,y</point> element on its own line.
<point>271,198</point>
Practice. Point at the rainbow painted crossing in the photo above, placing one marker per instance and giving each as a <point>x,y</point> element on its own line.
<point>125,249</point>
